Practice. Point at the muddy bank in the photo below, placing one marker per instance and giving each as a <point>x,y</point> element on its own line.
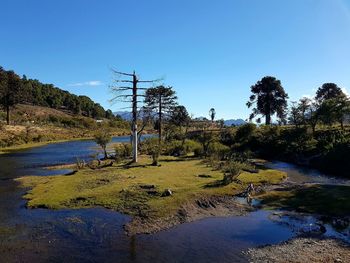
<point>302,250</point>
<point>216,206</point>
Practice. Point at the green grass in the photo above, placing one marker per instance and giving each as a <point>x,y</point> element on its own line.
<point>6,230</point>
<point>318,199</point>
<point>118,187</point>
<point>263,176</point>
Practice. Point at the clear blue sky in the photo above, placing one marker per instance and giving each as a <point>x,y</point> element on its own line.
<point>211,52</point>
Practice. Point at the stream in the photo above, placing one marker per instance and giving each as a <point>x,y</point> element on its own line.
<point>97,235</point>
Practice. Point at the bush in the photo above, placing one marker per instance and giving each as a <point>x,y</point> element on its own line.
<point>122,151</point>
<point>180,148</point>
<point>231,170</point>
<point>327,139</point>
<point>244,132</point>
<point>102,138</point>
<point>174,148</point>
<point>227,137</point>
<point>150,147</point>
<point>198,152</point>
<point>219,150</point>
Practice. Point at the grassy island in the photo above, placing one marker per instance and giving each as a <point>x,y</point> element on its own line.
<point>139,190</point>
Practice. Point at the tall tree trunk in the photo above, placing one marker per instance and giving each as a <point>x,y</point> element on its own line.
<point>105,152</point>
<point>184,137</point>
<point>160,120</point>
<point>268,119</point>
<point>8,114</point>
<point>313,126</point>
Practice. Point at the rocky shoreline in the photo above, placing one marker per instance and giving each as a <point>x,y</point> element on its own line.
<point>301,250</point>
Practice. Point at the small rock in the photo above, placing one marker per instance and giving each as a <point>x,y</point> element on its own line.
<point>341,223</point>
<point>167,192</point>
<point>314,229</point>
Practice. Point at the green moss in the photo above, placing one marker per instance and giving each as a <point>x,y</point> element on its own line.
<point>7,230</point>
<point>320,199</point>
<point>263,176</point>
<point>118,187</point>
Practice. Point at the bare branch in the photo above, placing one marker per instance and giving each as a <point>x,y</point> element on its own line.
<point>120,89</point>
<point>123,80</point>
<point>123,96</point>
<point>149,81</point>
<point>122,73</point>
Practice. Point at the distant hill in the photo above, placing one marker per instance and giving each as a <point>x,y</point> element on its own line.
<point>33,92</point>
<point>125,115</point>
<point>234,122</point>
<point>201,118</point>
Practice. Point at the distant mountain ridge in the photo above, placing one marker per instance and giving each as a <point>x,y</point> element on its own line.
<point>125,115</point>
<point>235,122</point>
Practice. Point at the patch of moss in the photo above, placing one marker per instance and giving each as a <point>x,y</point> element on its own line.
<point>7,230</point>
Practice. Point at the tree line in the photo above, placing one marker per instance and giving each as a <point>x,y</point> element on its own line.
<point>15,89</point>
<point>329,106</point>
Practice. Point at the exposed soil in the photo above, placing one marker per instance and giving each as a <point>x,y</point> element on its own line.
<point>302,250</point>
<point>218,206</point>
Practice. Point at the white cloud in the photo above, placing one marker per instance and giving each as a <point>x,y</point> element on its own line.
<point>86,83</point>
<point>307,96</point>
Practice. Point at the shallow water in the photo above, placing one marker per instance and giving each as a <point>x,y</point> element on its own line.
<point>300,174</point>
<point>96,235</point>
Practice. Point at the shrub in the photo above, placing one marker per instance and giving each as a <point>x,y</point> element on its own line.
<point>244,132</point>
<point>180,148</point>
<point>199,151</point>
<point>231,171</point>
<point>174,148</point>
<point>150,147</point>
<point>327,139</point>
<point>122,151</point>
<point>227,137</point>
<point>219,150</point>
<point>102,138</point>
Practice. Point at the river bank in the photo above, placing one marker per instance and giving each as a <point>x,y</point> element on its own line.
<point>60,139</point>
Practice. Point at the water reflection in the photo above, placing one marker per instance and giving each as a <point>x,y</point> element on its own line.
<point>97,235</point>
<point>300,174</point>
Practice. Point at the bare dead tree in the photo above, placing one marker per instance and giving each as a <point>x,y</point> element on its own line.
<point>146,116</point>
<point>130,94</point>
